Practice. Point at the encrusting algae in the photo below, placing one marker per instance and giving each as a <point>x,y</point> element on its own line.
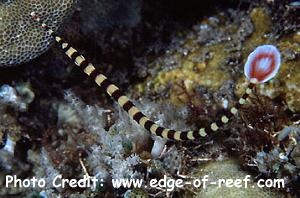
<point>211,64</point>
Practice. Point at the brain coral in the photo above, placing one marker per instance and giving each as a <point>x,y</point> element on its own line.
<point>20,39</point>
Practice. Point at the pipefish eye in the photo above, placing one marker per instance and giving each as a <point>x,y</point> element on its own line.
<point>262,64</point>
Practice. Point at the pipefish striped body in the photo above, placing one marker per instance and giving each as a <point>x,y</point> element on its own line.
<point>123,101</point>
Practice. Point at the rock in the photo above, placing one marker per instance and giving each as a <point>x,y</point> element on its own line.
<point>229,169</point>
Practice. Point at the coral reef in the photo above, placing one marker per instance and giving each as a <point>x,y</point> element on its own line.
<point>182,63</point>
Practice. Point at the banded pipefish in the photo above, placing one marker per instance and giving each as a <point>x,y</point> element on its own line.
<point>261,66</point>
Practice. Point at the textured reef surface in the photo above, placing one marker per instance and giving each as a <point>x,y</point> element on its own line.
<point>21,40</point>
<point>182,64</point>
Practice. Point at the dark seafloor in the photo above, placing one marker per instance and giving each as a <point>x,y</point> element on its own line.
<point>182,62</point>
